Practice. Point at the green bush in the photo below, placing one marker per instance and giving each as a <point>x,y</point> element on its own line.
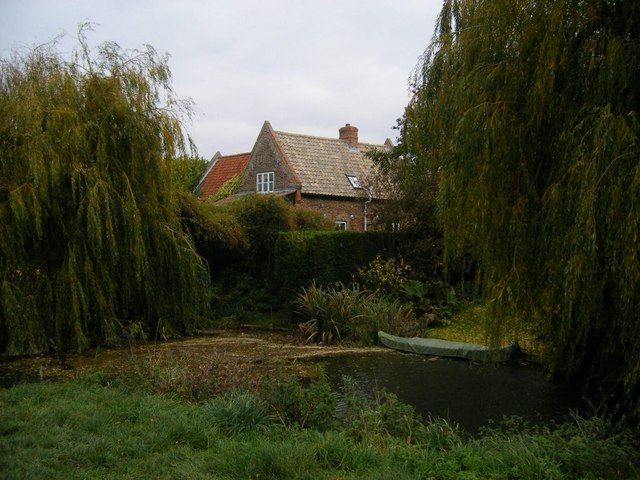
<point>389,315</point>
<point>306,219</point>
<point>337,312</point>
<point>383,275</point>
<point>237,236</point>
<point>262,218</point>
<point>238,239</point>
<point>379,415</point>
<point>238,412</point>
<point>219,237</point>
<point>328,312</point>
<point>303,407</point>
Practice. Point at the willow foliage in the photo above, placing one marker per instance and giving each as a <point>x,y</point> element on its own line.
<point>527,113</point>
<point>91,247</point>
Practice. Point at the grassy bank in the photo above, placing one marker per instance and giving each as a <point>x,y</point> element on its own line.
<point>97,426</point>
<point>471,324</point>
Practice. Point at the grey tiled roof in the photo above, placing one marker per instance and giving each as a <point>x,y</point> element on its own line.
<point>322,164</point>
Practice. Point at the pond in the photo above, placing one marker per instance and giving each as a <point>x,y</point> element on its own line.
<point>468,393</point>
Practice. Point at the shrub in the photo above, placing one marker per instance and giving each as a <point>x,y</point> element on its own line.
<point>328,312</point>
<point>218,235</point>
<point>336,312</point>
<point>432,301</point>
<point>263,217</point>
<point>391,316</point>
<point>383,275</point>
<point>238,412</point>
<point>296,405</point>
<point>381,414</point>
<point>306,219</point>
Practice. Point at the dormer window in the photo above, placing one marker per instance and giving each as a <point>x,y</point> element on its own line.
<point>264,182</point>
<point>355,183</point>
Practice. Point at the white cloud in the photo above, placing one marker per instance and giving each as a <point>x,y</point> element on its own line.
<point>307,66</point>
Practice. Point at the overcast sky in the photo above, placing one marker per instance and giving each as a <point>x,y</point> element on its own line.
<point>307,66</point>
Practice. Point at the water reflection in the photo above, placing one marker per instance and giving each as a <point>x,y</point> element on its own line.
<point>465,392</point>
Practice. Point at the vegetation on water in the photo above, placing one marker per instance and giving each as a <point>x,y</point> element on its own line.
<point>91,247</point>
<point>522,137</point>
<point>105,426</point>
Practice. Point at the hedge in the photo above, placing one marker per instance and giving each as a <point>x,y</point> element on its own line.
<point>326,257</point>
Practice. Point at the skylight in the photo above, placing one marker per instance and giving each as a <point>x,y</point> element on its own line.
<point>355,183</point>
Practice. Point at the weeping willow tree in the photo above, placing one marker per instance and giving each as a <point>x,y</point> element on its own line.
<point>91,248</point>
<point>526,114</point>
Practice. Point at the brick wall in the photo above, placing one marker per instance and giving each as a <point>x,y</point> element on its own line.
<point>267,158</point>
<point>342,210</point>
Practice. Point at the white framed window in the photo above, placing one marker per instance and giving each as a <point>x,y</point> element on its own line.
<point>353,179</point>
<point>341,225</point>
<point>264,182</point>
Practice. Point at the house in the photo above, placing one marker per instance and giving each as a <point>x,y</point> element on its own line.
<point>328,175</point>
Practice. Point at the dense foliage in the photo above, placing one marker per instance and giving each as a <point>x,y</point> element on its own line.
<point>336,312</point>
<point>91,246</point>
<point>238,238</point>
<point>525,114</point>
<point>325,257</point>
<point>187,171</point>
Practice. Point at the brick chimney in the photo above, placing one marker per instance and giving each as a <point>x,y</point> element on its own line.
<point>349,134</point>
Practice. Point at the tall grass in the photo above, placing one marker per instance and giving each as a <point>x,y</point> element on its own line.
<point>92,427</point>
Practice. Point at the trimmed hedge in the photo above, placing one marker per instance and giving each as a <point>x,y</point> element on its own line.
<point>326,257</point>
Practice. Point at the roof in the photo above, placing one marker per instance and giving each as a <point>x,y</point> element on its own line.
<point>221,169</point>
<point>324,164</point>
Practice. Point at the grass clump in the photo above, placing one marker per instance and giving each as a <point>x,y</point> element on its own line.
<point>337,312</point>
<point>237,412</point>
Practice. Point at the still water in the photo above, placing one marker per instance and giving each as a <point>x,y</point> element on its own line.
<point>467,393</point>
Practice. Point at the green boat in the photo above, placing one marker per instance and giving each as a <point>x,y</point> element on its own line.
<point>446,348</point>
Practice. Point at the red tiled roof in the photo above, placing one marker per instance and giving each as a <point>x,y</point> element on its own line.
<point>224,168</point>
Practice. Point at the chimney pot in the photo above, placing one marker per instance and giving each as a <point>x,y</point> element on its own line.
<point>349,134</point>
